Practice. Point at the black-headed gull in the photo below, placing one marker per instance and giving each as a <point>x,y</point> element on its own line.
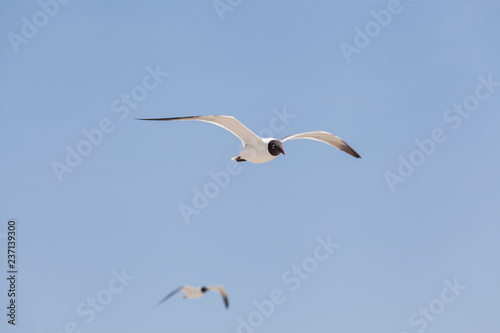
<point>261,150</point>
<point>197,292</point>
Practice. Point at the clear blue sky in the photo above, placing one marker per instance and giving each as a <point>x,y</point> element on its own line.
<point>402,237</point>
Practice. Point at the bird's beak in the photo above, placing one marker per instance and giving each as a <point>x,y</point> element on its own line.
<point>282,151</point>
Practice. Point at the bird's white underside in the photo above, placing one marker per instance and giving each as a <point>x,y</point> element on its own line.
<point>257,152</point>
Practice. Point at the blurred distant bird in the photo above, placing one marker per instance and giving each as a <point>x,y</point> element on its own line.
<point>260,150</point>
<point>197,292</point>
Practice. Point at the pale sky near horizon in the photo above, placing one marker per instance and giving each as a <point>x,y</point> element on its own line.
<point>113,213</point>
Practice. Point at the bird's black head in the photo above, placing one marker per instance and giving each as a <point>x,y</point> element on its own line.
<point>275,148</point>
<point>204,289</point>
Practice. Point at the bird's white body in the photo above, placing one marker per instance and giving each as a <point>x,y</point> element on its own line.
<point>256,151</point>
<point>192,292</point>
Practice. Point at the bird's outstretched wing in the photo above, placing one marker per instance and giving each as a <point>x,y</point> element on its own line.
<point>170,295</point>
<point>222,292</point>
<point>325,137</point>
<point>227,122</point>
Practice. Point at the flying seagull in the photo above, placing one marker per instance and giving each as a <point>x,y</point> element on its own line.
<point>197,292</point>
<point>261,150</point>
